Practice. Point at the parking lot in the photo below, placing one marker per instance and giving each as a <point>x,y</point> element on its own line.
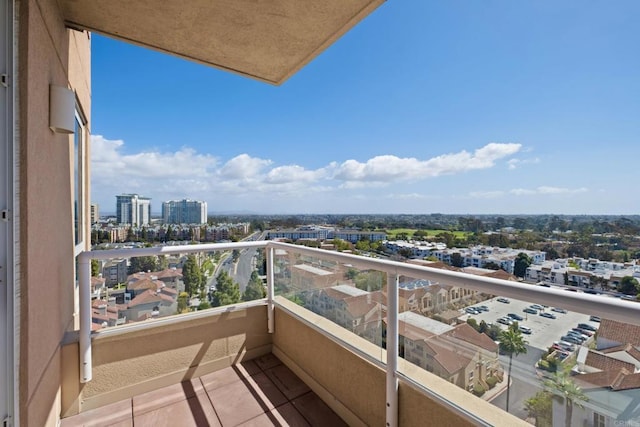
<point>544,331</point>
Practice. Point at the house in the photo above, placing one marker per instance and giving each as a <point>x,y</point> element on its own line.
<point>459,354</point>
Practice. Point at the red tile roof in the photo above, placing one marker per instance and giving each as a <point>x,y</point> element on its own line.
<point>466,333</point>
<point>605,363</point>
<point>150,296</point>
<point>619,332</point>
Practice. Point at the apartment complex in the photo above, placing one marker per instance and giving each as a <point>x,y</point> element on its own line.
<point>316,232</point>
<point>184,211</point>
<point>133,209</point>
<point>475,256</point>
<point>581,272</point>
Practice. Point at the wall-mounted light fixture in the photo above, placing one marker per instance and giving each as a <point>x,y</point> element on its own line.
<point>62,107</point>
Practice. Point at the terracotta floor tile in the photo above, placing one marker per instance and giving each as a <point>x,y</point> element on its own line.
<point>285,416</point>
<point>267,361</point>
<point>228,375</point>
<point>316,412</point>
<point>243,400</point>
<point>113,414</point>
<point>288,415</point>
<point>196,411</point>
<point>287,382</point>
<point>167,395</point>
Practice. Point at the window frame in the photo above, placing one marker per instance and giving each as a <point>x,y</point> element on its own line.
<point>79,191</point>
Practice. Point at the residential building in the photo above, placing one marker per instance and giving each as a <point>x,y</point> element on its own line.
<point>95,213</point>
<point>115,271</point>
<point>316,232</point>
<point>481,256</point>
<point>184,211</point>
<point>133,209</point>
<point>459,354</point>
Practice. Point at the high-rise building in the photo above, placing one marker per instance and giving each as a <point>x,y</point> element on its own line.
<point>184,212</point>
<point>95,213</point>
<point>133,209</point>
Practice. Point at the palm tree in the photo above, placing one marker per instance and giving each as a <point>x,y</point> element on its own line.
<point>512,342</point>
<point>562,385</point>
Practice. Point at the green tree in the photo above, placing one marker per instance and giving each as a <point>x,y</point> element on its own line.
<point>183,301</point>
<point>143,263</point>
<point>371,281</point>
<point>473,323</point>
<point>227,291</point>
<point>351,273</point>
<point>235,255</point>
<point>163,262</point>
<point>457,260</point>
<point>255,289</point>
<point>539,407</point>
<point>563,387</point>
<point>511,342</point>
<point>629,285</point>
<point>494,332</point>
<point>192,275</point>
<point>95,268</point>
<point>522,262</point>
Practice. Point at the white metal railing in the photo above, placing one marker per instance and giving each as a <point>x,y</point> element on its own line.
<point>610,308</point>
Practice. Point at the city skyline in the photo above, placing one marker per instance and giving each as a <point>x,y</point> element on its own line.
<point>492,108</point>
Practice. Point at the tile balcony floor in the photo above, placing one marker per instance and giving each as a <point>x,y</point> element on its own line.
<point>259,392</point>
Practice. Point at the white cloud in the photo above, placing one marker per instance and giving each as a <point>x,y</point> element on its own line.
<point>515,163</point>
<point>547,190</point>
<point>486,194</point>
<point>249,181</point>
<point>389,168</point>
<point>243,167</point>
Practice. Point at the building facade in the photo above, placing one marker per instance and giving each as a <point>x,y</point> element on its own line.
<point>133,209</point>
<point>184,212</point>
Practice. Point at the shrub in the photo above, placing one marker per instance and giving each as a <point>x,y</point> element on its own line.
<point>478,390</point>
<point>491,382</point>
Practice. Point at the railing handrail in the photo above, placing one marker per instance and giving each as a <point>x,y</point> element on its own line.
<point>608,307</point>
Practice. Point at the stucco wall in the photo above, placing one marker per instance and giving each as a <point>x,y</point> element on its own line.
<point>355,388</point>
<point>48,53</point>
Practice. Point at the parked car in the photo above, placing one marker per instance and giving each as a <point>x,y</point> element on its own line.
<point>471,310</point>
<point>571,339</point>
<point>587,327</point>
<point>547,315</point>
<point>482,308</point>
<point>594,319</point>
<point>530,310</point>
<point>567,346</point>
<point>503,300</point>
<point>583,332</point>
<point>505,320</point>
<point>559,310</point>
<point>525,330</point>
<point>577,336</point>
<point>536,307</point>
<point>515,316</point>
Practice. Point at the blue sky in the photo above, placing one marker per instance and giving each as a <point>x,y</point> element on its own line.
<point>465,107</point>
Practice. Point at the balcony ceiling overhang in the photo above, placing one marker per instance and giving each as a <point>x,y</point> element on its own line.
<point>268,40</point>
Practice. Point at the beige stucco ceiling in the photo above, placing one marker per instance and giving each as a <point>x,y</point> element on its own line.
<point>264,39</point>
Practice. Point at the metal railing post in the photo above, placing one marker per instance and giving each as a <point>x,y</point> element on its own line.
<point>270,292</point>
<point>84,276</point>
<point>392,350</point>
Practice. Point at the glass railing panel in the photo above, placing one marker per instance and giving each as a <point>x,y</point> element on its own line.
<point>134,289</point>
<point>353,298</point>
<point>543,364</point>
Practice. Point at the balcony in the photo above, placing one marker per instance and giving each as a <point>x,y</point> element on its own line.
<point>291,358</point>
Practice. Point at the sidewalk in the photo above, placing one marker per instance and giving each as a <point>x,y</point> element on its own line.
<point>497,390</point>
